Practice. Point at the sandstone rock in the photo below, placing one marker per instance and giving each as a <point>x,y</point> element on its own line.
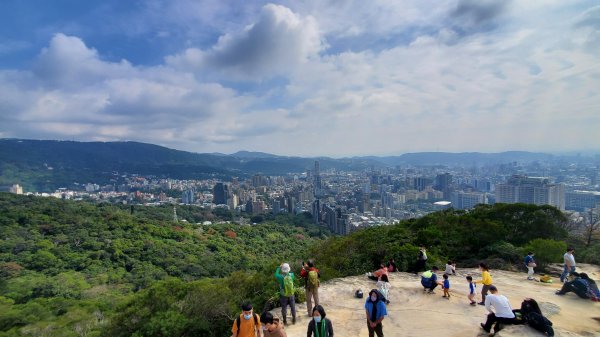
<point>413,313</point>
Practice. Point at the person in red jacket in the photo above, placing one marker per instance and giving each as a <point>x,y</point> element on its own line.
<point>311,276</point>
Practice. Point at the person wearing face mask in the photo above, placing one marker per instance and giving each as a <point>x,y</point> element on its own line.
<point>319,326</point>
<point>247,324</point>
<point>271,326</point>
<point>376,312</point>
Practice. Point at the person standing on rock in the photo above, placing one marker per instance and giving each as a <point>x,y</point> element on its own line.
<point>421,260</point>
<point>569,264</point>
<point>311,277</point>
<point>319,326</point>
<point>486,280</point>
<point>530,264</point>
<point>247,324</point>
<point>285,279</point>
<point>376,312</point>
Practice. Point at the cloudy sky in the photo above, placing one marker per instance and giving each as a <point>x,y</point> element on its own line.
<point>304,77</point>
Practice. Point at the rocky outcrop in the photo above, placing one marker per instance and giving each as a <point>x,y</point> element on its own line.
<point>414,313</point>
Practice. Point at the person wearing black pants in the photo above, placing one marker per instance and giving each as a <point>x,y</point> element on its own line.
<point>503,312</point>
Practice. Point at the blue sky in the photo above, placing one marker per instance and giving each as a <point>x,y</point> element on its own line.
<point>312,77</point>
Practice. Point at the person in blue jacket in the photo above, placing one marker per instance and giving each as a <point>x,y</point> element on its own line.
<point>530,264</point>
<point>376,311</point>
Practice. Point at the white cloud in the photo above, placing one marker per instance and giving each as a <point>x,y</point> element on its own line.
<point>278,41</point>
<point>275,85</point>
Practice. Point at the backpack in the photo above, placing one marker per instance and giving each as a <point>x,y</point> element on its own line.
<point>237,322</point>
<point>313,279</point>
<point>288,286</point>
<point>540,323</point>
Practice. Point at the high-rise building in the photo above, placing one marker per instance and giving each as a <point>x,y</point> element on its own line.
<point>318,185</point>
<point>188,197</point>
<point>531,190</point>
<point>316,211</point>
<point>467,200</point>
<point>443,183</point>
<point>580,200</point>
<point>220,194</point>
<point>420,183</point>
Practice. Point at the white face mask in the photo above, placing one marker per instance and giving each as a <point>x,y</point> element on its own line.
<point>247,317</point>
<point>373,298</point>
<point>317,319</point>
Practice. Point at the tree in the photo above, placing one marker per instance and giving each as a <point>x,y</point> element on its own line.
<point>592,229</point>
<point>546,251</point>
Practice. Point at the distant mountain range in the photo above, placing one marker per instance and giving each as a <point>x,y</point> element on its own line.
<point>44,165</point>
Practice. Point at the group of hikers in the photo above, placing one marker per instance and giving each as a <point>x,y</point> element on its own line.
<point>500,311</point>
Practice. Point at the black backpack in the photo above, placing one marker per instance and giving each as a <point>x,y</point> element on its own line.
<point>540,323</point>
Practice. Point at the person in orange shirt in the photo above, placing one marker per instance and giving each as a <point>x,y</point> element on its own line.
<point>376,275</point>
<point>247,324</point>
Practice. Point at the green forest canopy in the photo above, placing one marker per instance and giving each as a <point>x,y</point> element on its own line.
<point>81,269</point>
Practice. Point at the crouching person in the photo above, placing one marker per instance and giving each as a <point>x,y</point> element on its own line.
<point>502,313</point>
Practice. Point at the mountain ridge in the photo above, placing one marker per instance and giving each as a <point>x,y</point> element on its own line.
<point>44,165</point>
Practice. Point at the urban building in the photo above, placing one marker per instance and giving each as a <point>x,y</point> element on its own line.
<point>220,194</point>
<point>467,200</point>
<point>531,190</point>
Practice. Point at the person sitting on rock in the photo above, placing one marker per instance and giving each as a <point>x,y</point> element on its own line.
<point>531,314</point>
<point>503,311</point>
<point>319,326</point>
<point>376,275</point>
<point>450,268</point>
<point>272,327</point>
<point>391,265</point>
<point>429,279</point>
<point>582,285</point>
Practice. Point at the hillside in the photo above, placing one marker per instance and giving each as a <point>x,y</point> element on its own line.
<point>414,313</point>
<point>45,165</point>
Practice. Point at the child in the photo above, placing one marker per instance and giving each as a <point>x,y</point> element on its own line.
<point>450,268</point>
<point>384,288</point>
<point>446,287</point>
<point>472,286</point>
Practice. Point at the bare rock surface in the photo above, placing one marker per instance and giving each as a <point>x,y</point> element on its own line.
<point>413,313</point>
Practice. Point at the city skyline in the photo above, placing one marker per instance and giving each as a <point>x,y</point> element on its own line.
<point>308,78</point>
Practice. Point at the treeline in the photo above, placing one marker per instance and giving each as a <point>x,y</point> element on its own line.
<point>500,234</point>
<point>80,269</point>
<point>66,266</point>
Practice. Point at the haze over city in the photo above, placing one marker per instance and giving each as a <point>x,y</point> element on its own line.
<point>306,78</point>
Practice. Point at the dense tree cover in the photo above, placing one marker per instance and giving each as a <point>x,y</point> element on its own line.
<point>64,263</point>
<point>80,269</point>
<point>499,233</point>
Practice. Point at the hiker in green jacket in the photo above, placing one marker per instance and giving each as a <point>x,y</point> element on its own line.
<point>285,278</point>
